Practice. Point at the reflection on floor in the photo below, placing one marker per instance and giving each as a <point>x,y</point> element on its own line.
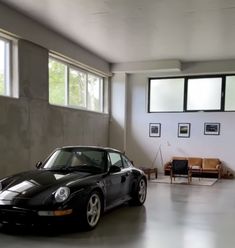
<point>183,180</point>
<point>174,216</point>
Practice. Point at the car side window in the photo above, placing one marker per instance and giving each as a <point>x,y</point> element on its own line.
<point>126,162</point>
<point>116,159</point>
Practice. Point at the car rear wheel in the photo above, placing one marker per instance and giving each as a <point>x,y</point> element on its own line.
<point>140,193</point>
<point>93,209</point>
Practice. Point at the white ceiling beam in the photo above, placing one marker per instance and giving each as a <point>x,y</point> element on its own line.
<point>172,65</point>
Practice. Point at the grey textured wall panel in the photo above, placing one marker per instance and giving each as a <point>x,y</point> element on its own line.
<point>33,70</point>
<point>46,130</point>
<point>14,135</point>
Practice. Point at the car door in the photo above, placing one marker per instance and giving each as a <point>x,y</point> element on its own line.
<point>116,183</point>
<point>127,165</point>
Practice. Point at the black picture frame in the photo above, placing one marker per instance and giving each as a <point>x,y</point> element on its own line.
<point>211,128</point>
<point>154,129</point>
<point>184,130</point>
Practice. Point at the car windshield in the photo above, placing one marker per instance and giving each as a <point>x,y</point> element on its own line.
<point>77,159</point>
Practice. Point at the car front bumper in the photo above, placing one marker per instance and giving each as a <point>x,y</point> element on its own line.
<point>23,216</point>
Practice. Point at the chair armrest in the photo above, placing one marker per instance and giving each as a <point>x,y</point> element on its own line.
<point>218,166</point>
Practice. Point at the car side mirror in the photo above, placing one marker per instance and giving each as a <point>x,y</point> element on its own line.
<point>38,164</point>
<point>114,169</point>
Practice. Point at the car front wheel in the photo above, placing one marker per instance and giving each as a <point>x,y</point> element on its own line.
<point>92,211</point>
<point>140,193</point>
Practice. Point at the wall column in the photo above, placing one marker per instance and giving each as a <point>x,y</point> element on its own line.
<point>117,137</point>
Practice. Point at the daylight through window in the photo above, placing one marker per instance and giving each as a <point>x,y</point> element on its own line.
<point>166,95</point>
<point>204,93</point>
<point>4,67</point>
<point>192,93</point>
<point>74,87</point>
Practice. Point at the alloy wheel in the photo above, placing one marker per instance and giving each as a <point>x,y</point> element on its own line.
<point>93,210</point>
<point>142,190</point>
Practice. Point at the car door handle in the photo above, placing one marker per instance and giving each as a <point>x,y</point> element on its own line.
<point>124,176</point>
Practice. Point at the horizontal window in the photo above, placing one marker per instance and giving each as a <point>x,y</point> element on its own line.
<point>74,87</point>
<point>8,66</point>
<point>166,95</point>
<point>196,93</point>
<point>204,93</point>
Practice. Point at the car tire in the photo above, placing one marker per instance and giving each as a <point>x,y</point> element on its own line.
<point>140,193</point>
<point>92,211</point>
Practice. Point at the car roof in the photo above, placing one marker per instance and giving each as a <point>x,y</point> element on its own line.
<point>93,148</point>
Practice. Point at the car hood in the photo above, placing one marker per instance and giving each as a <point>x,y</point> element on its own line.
<point>32,183</point>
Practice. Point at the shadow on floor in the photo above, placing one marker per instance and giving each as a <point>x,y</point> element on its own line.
<point>130,216</point>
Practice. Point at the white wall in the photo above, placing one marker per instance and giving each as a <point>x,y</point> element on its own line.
<point>143,149</point>
<point>117,137</point>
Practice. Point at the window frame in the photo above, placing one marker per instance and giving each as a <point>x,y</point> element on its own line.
<point>227,75</point>
<point>121,165</point>
<point>72,66</point>
<point>129,164</point>
<point>149,93</point>
<point>186,79</point>
<point>222,94</point>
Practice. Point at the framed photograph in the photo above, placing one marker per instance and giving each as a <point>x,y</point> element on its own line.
<point>183,130</point>
<point>154,129</point>
<point>211,128</point>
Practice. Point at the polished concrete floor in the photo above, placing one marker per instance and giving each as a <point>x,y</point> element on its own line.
<point>174,216</point>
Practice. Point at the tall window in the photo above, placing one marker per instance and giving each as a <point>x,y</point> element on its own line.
<point>95,92</point>
<point>230,93</point>
<point>57,82</point>
<point>4,67</point>
<point>8,66</point>
<point>75,87</point>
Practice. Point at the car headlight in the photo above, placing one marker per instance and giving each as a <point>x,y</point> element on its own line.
<point>62,194</point>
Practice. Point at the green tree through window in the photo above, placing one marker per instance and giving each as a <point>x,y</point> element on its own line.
<point>94,92</point>
<point>57,82</point>
<point>75,87</point>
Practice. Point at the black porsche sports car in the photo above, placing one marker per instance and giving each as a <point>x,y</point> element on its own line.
<point>72,184</point>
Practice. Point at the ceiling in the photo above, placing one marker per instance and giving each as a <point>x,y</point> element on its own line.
<point>141,30</point>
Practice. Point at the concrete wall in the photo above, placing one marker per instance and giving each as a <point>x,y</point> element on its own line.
<point>30,128</point>
<point>144,150</point>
